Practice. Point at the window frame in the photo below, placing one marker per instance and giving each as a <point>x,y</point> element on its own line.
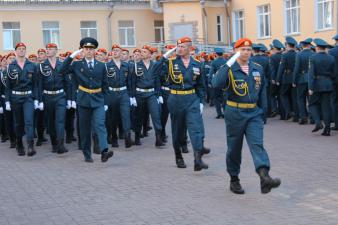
<point>11,32</point>
<point>50,32</point>
<point>291,8</point>
<point>258,14</point>
<point>126,34</point>
<point>161,31</point>
<point>317,2</point>
<point>236,21</point>
<point>221,25</point>
<point>88,29</point>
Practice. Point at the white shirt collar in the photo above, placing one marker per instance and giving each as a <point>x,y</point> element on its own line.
<point>88,61</point>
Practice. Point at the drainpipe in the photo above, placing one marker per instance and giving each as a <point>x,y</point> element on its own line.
<point>226,7</point>
<point>111,10</point>
<point>205,22</point>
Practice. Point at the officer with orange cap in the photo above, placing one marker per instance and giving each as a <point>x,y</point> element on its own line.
<point>244,83</point>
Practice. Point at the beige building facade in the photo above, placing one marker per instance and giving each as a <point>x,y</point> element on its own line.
<point>132,23</point>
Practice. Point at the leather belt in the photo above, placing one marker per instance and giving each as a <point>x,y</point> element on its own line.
<point>241,105</point>
<point>117,89</point>
<point>53,92</point>
<point>21,92</point>
<point>182,92</point>
<point>90,91</point>
<point>165,88</point>
<point>145,90</point>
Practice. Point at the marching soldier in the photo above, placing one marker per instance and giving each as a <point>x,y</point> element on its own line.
<point>334,53</point>
<point>90,77</point>
<point>321,75</point>
<point>284,79</point>
<point>53,87</point>
<point>117,97</point>
<point>185,102</point>
<point>21,91</point>
<point>301,77</point>
<point>146,94</point>
<point>246,103</point>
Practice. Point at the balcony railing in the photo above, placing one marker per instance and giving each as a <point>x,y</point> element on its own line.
<point>65,2</point>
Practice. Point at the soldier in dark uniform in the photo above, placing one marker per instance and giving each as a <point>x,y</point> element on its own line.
<point>21,90</point>
<point>218,93</point>
<point>53,87</point>
<point>284,79</point>
<point>246,103</point>
<point>276,106</point>
<point>334,97</point>
<point>117,96</point>
<point>90,77</point>
<point>146,93</point>
<point>321,75</point>
<point>185,102</point>
<point>301,77</point>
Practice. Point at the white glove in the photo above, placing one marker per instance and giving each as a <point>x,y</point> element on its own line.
<point>201,107</point>
<point>131,101</point>
<point>1,110</point>
<point>233,59</point>
<point>75,53</point>
<point>69,104</point>
<point>160,100</point>
<point>134,102</point>
<point>168,53</point>
<point>36,104</point>
<point>73,104</point>
<point>105,108</point>
<point>41,106</point>
<point>8,106</point>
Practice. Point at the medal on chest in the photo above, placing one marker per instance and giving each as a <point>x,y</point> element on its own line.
<point>257,78</point>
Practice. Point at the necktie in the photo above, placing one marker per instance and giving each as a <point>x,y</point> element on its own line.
<point>90,66</point>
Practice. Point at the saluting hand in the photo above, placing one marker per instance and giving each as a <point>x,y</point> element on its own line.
<point>76,53</point>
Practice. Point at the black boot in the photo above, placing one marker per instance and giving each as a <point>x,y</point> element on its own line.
<point>164,136</point>
<point>235,185</point>
<point>54,144</point>
<point>303,121</point>
<point>179,159</point>
<point>137,139</point>
<point>39,142</point>
<point>326,131</point>
<point>12,142</point>
<point>61,147</point>
<point>19,147</point>
<point>205,150</point>
<point>127,140</point>
<point>105,155</point>
<point>96,148</point>
<point>317,128</point>
<point>159,142</point>
<point>4,138</point>
<point>184,148</point>
<point>199,164</point>
<point>115,143</point>
<point>267,183</point>
<point>30,151</point>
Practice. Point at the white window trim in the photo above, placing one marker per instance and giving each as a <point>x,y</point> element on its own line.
<point>222,28</point>
<point>257,16</point>
<point>316,17</point>
<point>11,30</point>
<point>234,23</point>
<point>96,27</point>
<point>162,32</point>
<point>127,46</point>
<point>285,20</point>
<point>49,29</point>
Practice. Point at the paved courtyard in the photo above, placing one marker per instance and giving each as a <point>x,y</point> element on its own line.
<point>142,186</point>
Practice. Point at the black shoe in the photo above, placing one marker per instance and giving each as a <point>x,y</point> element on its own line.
<point>222,116</point>
<point>236,187</point>
<point>90,160</point>
<point>61,147</point>
<point>317,128</point>
<point>137,139</point>
<point>164,137</point>
<point>273,114</point>
<point>180,163</point>
<point>39,142</point>
<point>114,143</point>
<point>105,155</point>
<point>4,138</point>
<point>218,117</point>
<point>288,116</point>
<point>19,147</point>
<point>205,151</point>
<point>303,121</point>
<point>145,133</point>
<point>30,150</point>
<point>158,142</point>
<point>295,120</point>
<point>267,183</point>
<point>326,131</point>
<point>127,141</point>
<point>199,164</point>
<point>184,149</point>
<point>12,144</point>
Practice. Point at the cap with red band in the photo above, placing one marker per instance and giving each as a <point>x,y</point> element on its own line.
<point>149,48</point>
<point>115,46</point>
<point>243,42</point>
<point>51,45</point>
<point>41,50</point>
<point>184,40</point>
<point>137,50</point>
<point>20,44</point>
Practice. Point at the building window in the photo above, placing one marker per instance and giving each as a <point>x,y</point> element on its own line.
<point>264,21</point>
<point>219,24</point>
<point>159,30</point>
<point>324,14</point>
<point>238,24</point>
<point>88,29</point>
<point>51,32</point>
<point>127,33</point>
<point>292,17</point>
<point>11,34</point>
